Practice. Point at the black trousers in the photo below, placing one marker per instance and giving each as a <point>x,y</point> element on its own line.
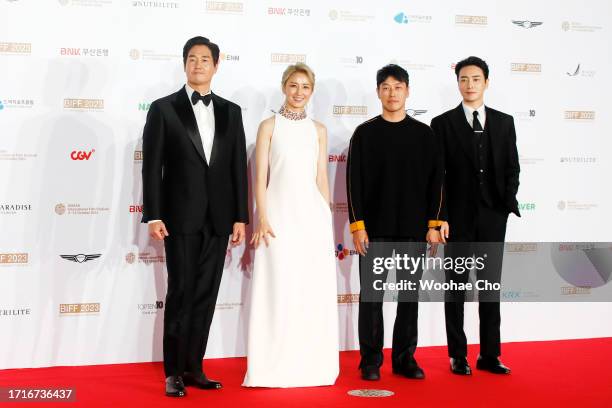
<point>195,265</point>
<point>490,227</point>
<point>371,324</point>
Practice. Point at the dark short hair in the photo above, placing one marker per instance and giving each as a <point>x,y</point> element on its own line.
<point>199,40</point>
<point>480,63</point>
<point>391,70</point>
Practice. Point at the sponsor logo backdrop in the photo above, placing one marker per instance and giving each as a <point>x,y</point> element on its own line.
<point>80,281</point>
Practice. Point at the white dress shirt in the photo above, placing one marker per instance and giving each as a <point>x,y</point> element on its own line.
<point>205,120</point>
<point>469,114</point>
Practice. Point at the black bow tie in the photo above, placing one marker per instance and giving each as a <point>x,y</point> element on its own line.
<point>195,97</point>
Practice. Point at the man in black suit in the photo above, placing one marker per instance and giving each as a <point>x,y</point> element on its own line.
<point>195,195</point>
<point>482,179</point>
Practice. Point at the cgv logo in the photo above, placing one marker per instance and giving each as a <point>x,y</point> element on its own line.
<point>80,155</point>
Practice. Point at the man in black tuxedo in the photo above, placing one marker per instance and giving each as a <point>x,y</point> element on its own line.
<point>195,195</point>
<point>482,179</point>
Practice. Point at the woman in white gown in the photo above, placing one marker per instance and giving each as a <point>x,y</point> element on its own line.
<point>293,325</point>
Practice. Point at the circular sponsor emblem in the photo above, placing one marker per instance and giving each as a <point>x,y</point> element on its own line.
<point>134,54</point>
<point>60,209</point>
<point>561,205</point>
<point>333,14</point>
<point>64,2</point>
<point>565,26</point>
<point>371,393</point>
<point>583,265</point>
<point>130,258</point>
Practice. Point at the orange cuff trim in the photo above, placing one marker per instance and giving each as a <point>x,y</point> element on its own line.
<point>434,223</point>
<point>357,226</point>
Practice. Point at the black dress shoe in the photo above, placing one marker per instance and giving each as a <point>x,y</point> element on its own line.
<point>370,373</point>
<point>410,370</point>
<point>460,366</point>
<point>200,381</point>
<point>492,365</point>
<point>175,386</point>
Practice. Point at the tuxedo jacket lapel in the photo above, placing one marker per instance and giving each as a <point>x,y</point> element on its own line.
<point>221,122</point>
<point>464,133</point>
<point>185,113</point>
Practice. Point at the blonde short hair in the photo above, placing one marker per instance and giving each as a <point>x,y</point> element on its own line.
<point>298,67</point>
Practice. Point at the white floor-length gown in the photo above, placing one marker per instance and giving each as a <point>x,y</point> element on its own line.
<point>293,323</point>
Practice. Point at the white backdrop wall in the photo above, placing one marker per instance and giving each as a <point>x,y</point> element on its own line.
<point>76,79</point>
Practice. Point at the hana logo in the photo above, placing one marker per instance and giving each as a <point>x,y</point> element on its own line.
<point>1,105</point>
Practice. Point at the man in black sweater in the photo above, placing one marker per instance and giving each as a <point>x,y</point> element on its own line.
<point>395,188</point>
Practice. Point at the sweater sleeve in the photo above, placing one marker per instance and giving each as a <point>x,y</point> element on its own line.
<point>354,183</point>
<point>436,203</point>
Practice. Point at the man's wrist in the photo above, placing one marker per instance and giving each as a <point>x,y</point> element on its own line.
<point>357,226</point>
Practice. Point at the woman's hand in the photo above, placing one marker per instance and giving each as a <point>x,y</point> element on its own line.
<point>261,233</point>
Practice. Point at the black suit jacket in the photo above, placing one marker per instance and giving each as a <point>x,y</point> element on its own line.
<point>179,186</point>
<point>461,178</point>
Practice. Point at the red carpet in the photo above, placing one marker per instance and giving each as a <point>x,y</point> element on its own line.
<point>566,373</point>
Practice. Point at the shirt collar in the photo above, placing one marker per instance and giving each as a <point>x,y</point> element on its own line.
<point>190,91</point>
<point>469,111</point>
